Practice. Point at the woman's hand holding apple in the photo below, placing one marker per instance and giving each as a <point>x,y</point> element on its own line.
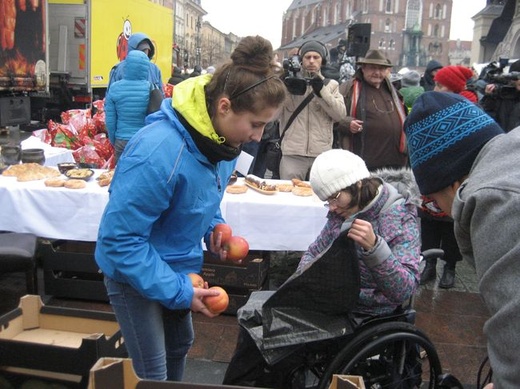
<point>218,238</point>
<point>197,305</point>
<point>226,245</point>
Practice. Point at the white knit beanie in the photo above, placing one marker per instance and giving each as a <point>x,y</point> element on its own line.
<point>335,170</point>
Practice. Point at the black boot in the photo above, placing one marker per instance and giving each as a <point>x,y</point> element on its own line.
<point>448,279</point>
<point>429,273</point>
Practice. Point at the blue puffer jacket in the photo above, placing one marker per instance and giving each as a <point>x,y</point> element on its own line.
<point>154,73</point>
<point>126,104</point>
<point>164,199</point>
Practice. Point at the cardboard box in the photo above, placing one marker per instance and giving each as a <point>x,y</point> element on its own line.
<point>117,373</point>
<point>347,382</point>
<point>252,274</point>
<point>70,271</point>
<point>55,342</point>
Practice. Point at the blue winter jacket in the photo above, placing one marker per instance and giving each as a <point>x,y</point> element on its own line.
<point>154,73</point>
<point>126,103</point>
<point>164,199</point>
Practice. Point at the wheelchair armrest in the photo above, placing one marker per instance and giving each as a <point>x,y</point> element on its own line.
<point>432,254</point>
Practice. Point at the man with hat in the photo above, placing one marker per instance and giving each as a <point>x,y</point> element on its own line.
<point>138,41</point>
<point>463,160</point>
<point>311,131</point>
<point>374,126</point>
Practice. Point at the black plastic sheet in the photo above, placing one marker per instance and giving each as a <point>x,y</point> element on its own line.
<point>313,304</point>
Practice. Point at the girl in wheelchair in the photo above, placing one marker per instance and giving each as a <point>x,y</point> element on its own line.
<point>364,263</point>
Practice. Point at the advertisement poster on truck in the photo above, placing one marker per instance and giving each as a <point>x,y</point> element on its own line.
<point>22,45</point>
<point>78,40</point>
<point>113,21</point>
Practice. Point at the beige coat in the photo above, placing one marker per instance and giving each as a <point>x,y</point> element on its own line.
<point>311,133</point>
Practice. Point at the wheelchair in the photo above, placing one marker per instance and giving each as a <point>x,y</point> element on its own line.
<point>388,352</point>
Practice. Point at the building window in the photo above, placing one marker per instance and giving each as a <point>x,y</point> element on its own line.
<point>391,44</point>
<point>413,14</point>
<point>438,12</point>
<point>388,6</point>
<point>382,43</point>
<point>364,6</point>
<point>388,25</point>
<point>436,30</point>
<point>435,48</point>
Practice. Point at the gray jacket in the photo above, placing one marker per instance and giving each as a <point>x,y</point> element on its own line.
<point>487,227</point>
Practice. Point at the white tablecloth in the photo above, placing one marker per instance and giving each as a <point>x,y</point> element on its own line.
<point>53,155</point>
<point>281,221</point>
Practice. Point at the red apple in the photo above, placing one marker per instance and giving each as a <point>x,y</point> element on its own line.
<point>196,280</point>
<point>216,304</point>
<point>237,248</point>
<point>226,231</point>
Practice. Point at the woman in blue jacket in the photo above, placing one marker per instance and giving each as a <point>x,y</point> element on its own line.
<point>165,198</point>
<point>127,102</point>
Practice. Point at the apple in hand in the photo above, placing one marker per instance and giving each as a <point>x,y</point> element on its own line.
<point>226,231</point>
<point>237,248</point>
<point>196,280</point>
<point>216,304</point>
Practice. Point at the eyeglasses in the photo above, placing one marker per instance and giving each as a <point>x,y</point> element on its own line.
<point>333,200</point>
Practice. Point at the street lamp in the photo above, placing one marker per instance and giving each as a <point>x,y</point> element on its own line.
<point>197,49</point>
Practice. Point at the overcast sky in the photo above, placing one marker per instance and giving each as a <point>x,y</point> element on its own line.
<point>265,17</point>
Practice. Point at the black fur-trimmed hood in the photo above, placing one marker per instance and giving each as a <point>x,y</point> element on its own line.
<point>403,180</point>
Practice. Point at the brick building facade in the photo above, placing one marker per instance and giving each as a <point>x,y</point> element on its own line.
<point>410,32</point>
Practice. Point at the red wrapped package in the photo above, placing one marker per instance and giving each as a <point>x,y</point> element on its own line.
<point>88,129</point>
<point>44,135</point>
<point>76,118</point>
<point>103,146</point>
<point>168,90</point>
<point>110,164</point>
<point>99,105</point>
<point>62,136</point>
<point>99,122</point>
<point>87,155</point>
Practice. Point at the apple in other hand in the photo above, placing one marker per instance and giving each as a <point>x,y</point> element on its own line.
<point>196,280</point>
<point>237,248</point>
<point>226,231</point>
<point>216,304</point>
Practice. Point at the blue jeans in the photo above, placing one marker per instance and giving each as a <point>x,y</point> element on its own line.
<point>156,338</point>
<point>119,147</point>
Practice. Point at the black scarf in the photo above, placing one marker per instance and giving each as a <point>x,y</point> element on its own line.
<point>214,152</point>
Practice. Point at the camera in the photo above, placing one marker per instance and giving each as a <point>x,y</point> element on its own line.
<point>494,74</point>
<point>295,83</point>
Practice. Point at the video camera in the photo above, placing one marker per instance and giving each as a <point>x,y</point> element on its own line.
<point>295,83</point>
<point>505,82</point>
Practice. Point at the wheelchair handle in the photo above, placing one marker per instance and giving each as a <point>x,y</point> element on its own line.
<point>432,254</point>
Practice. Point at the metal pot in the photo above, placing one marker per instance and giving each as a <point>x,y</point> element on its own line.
<point>11,154</point>
<point>33,155</point>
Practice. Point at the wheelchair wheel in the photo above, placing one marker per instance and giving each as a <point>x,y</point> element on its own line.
<point>393,355</point>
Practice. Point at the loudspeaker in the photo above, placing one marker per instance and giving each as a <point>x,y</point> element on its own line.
<point>358,39</point>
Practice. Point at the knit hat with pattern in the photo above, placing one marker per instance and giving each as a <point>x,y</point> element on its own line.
<point>445,132</point>
<point>454,77</point>
<point>335,170</point>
